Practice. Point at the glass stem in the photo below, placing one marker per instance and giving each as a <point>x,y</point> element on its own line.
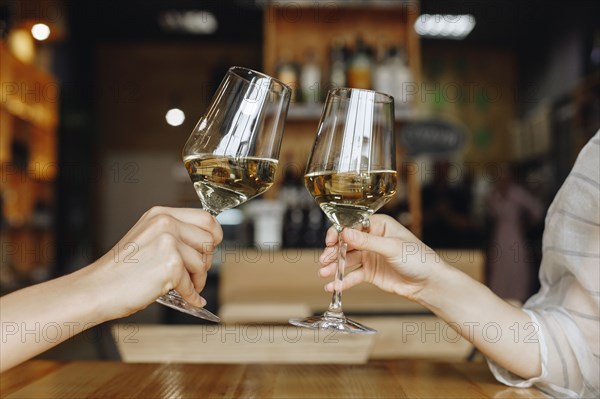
<point>335,307</point>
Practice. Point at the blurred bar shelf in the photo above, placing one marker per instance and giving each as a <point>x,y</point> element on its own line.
<point>292,28</point>
<point>375,4</point>
<point>312,112</point>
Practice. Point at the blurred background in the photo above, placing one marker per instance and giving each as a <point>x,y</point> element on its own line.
<point>494,100</point>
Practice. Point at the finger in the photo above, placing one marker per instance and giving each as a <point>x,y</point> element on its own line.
<point>193,277</point>
<point>386,226</point>
<point>186,289</point>
<point>198,238</point>
<point>193,261</point>
<point>328,270</point>
<point>199,281</point>
<point>197,217</point>
<point>364,241</point>
<point>353,278</point>
<point>332,237</point>
<point>353,259</point>
<point>328,256</point>
<point>197,265</point>
<point>182,260</point>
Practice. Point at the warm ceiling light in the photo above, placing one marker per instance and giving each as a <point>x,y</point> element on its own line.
<point>40,31</point>
<point>175,117</point>
<point>445,26</point>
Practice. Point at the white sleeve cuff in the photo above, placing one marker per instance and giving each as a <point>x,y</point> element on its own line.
<point>506,377</point>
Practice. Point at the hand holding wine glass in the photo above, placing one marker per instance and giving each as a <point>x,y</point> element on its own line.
<point>232,153</point>
<point>351,174</point>
<point>388,256</point>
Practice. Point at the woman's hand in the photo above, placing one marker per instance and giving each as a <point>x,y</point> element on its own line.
<point>168,248</point>
<point>389,256</point>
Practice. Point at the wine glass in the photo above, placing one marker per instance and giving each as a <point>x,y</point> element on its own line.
<point>351,173</point>
<point>233,151</point>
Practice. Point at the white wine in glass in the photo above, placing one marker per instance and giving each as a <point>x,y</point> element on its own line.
<point>225,182</point>
<point>231,155</point>
<point>351,197</point>
<point>351,173</point>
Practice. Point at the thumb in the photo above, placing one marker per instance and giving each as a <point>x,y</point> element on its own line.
<point>365,241</point>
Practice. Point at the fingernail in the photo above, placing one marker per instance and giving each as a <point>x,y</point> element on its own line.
<point>202,301</point>
<point>328,287</point>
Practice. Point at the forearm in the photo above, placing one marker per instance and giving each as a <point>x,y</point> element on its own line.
<point>499,330</point>
<point>39,317</point>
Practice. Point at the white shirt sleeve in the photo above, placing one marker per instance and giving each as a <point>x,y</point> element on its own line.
<point>566,310</point>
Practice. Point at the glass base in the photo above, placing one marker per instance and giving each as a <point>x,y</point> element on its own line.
<point>337,322</point>
<point>173,300</point>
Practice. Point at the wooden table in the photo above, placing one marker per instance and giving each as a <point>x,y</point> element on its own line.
<point>381,379</point>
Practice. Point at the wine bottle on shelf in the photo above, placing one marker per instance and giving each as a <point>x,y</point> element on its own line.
<point>310,78</point>
<point>293,226</point>
<point>337,69</point>
<point>289,194</point>
<point>382,72</point>
<point>360,66</point>
<point>314,236</point>
<point>288,72</point>
<point>401,75</point>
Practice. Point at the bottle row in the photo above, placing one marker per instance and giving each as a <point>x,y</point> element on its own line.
<point>381,67</point>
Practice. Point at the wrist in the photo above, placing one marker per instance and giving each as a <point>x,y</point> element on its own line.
<point>97,295</point>
<point>435,290</point>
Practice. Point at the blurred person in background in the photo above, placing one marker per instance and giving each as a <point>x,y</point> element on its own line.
<point>446,210</point>
<point>511,210</point>
<point>553,341</point>
<point>168,248</point>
